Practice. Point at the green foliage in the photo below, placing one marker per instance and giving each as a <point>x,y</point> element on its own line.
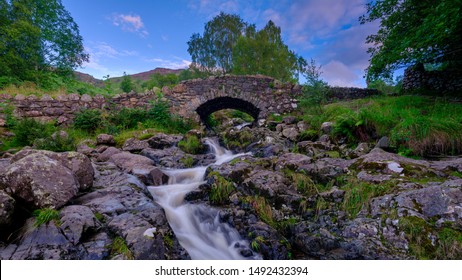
<point>28,130</point>
<point>127,118</point>
<point>265,53</point>
<point>126,85</point>
<point>119,247</point>
<point>191,144</point>
<point>88,120</point>
<point>416,125</point>
<point>160,110</point>
<point>358,194</point>
<point>230,45</point>
<point>315,90</point>
<point>214,49</point>
<point>187,161</point>
<point>56,143</point>
<point>411,32</point>
<point>221,190</point>
<point>45,215</point>
<point>36,36</point>
<point>385,86</point>
<point>7,110</point>
<point>447,245</point>
<point>159,81</point>
<point>263,209</point>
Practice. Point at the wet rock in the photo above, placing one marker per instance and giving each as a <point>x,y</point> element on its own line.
<point>7,205</point>
<point>162,141</point>
<point>134,145</point>
<point>105,139</point>
<point>28,179</point>
<point>149,175</point>
<point>324,138</point>
<point>169,157</point>
<point>126,161</point>
<point>77,220</point>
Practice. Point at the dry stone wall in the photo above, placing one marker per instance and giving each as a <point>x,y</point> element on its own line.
<point>416,77</point>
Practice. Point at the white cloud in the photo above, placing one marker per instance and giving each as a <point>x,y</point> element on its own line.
<point>177,63</point>
<point>131,23</point>
<point>335,73</point>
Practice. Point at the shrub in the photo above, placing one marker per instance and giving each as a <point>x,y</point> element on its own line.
<point>88,120</point>
<point>160,111</point>
<point>127,118</point>
<point>28,130</point>
<point>58,142</point>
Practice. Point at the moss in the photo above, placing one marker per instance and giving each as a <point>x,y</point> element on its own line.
<point>168,241</point>
<point>187,161</point>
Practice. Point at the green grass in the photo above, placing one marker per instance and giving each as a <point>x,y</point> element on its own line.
<point>119,247</point>
<point>221,190</point>
<point>416,125</point>
<point>420,234</point>
<point>45,215</point>
<point>191,144</point>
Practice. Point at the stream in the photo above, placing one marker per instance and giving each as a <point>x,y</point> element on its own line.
<point>197,226</point>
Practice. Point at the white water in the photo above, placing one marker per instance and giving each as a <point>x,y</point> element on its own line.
<point>197,227</point>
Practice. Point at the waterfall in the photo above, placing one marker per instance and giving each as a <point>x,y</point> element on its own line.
<point>197,226</point>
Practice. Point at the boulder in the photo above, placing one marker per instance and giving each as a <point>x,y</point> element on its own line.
<point>7,204</point>
<point>105,139</point>
<point>108,153</point>
<point>292,161</point>
<point>126,161</point>
<point>134,145</point>
<point>28,179</point>
<point>78,163</point>
<point>161,141</point>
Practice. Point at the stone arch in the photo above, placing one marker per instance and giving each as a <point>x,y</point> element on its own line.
<point>226,102</point>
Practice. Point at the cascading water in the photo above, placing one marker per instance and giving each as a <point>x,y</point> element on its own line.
<point>197,227</point>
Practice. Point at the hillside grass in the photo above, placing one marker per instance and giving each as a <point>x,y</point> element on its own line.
<point>416,125</point>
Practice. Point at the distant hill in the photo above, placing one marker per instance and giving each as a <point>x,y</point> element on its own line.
<point>89,79</point>
<point>143,76</point>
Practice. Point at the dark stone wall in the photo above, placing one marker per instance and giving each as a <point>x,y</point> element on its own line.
<point>416,77</point>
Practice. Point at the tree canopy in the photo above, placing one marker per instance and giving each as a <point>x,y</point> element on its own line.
<point>230,45</point>
<point>411,32</point>
<point>37,35</point>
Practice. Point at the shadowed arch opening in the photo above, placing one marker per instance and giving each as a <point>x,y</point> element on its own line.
<point>220,103</point>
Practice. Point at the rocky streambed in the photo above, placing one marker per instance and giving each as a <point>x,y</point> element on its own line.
<point>287,199</point>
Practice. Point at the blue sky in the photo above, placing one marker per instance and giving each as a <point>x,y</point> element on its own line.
<point>140,35</point>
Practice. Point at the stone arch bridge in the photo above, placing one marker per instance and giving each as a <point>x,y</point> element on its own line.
<point>259,96</point>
